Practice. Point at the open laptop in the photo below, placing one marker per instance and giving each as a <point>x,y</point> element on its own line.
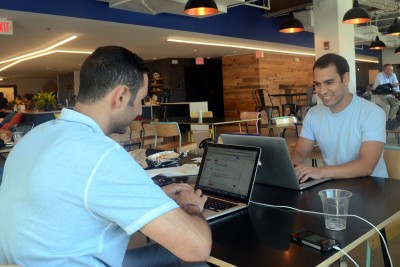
<point>226,177</point>
<point>276,165</point>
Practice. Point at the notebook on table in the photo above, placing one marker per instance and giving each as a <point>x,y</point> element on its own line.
<point>226,177</point>
<point>276,165</point>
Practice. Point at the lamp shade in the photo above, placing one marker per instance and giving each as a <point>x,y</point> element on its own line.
<point>394,29</point>
<point>356,15</point>
<point>377,44</point>
<point>200,7</point>
<point>291,25</point>
<point>397,50</point>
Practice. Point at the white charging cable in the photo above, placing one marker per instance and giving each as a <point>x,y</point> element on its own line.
<point>321,213</point>
<point>347,255</point>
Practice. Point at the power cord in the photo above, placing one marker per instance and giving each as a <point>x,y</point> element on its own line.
<point>347,255</point>
<point>321,213</point>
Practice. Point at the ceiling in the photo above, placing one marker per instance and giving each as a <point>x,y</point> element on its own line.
<point>33,31</point>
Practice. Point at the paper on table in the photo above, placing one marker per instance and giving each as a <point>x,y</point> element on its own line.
<point>175,171</point>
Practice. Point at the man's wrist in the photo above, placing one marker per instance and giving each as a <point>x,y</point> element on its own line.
<point>191,208</point>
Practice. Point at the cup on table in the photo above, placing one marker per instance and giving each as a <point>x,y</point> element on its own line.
<point>335,203</point>
<point>17,136</point>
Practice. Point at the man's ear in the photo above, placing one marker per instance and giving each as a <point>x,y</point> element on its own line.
<point>346,78</point>
<point>120,96</point>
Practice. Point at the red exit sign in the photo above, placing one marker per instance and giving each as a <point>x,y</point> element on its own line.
<point>6,27</point>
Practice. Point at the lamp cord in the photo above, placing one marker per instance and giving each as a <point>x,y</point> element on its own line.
<point>321,213</point>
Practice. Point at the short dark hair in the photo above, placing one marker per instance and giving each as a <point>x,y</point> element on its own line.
<point>108,67</point>
<point>338,61</point>
<point>387,65</point>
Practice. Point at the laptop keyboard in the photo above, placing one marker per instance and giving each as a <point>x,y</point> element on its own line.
<point>218,205</point>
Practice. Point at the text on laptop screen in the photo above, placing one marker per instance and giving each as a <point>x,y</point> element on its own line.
<point>227,171</point>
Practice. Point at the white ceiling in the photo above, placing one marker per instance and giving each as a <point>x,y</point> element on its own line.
<point>34,31</point>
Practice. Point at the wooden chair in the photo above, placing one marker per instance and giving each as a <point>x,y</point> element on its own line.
<point>194,130</point>
<point>391,155</point>
<point>146,137</point>
<point>169,130</point>
<point>249,115</point>
<point>285,122</point>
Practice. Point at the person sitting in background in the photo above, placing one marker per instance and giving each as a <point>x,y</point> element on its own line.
<point>29,104</point>
<point>349,130</point>
<point>388,102</point>
<point>80,195</point>
<point>3,102</point>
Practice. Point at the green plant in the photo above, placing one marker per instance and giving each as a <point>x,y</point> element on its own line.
<point>45,100</point>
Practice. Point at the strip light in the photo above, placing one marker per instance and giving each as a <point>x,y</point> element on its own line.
<point>255,48</point>
<point>41,55</point>
<point>41,51</point>
<point>239,46</point>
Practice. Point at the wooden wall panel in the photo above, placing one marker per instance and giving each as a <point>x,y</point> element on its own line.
<point>244,73</point>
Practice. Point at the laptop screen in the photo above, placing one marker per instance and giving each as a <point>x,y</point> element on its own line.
<point>228,170</point>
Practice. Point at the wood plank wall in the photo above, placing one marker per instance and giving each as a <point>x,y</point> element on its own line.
<point>244,73</point>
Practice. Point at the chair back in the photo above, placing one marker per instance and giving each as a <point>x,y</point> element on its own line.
<point>250,115</point>
<point>204,114</point>
<point>136,128</point>
<point>310,94</point>
<point>391,155</point>
<point>166,129</point>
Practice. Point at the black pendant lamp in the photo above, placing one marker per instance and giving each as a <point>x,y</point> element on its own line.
<point>200,7</point>
<point>291,25</point>
<point>377,44</point>
<point>356,15</point>
<point>394,29</point>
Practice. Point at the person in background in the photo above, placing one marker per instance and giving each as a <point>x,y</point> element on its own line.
<point>349,130</point>
<point>80,195</point>
<point>3,102</point>
<point>389,103</point>
<point>29,104</point>
<point>18,100</point>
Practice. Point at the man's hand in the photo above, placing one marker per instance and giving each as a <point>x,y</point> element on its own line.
<point>172,190</point>
<point>189,199</point>
<point>304,172</point>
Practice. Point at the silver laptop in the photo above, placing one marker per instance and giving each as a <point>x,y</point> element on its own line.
<point>276,165</point>
<point>226,177</point>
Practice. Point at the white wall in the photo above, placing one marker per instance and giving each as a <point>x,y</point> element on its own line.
<point>389,57</point>
<point>30,86</point>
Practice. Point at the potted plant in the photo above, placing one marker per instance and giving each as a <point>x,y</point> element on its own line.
<point>45,100</point>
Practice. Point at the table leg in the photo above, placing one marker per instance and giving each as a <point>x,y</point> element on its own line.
<point>386,260</point>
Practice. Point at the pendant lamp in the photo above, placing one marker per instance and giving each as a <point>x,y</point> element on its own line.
<point>291,25</point>
<point>356,15</point>
<point>397,50</point>
<point>200,7</point>
<point>394,29</point>
<point>377,44</point>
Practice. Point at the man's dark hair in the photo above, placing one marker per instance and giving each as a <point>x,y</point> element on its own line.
<point>339,62</point>
<point>108,67</point>
<point>387,65</point>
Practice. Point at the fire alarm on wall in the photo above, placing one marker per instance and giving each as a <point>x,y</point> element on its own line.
<point>326,45</point>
